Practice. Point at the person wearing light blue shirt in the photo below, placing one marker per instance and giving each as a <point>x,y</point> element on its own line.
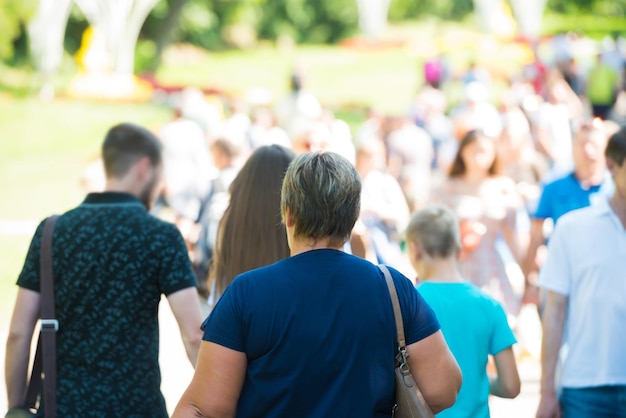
<point>587,184</point>
<point>584,277</point>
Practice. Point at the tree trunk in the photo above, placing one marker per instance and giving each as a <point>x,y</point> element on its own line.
<point>373,17</point>
<point>164,35</point>
<point>120,21</point>
<point>46,32</point>
<point>528,15</point>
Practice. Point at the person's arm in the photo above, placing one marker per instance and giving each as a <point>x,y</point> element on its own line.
<point>186,309</point>
<point>435,371</point>
<point>25,314</point>
<point>216,385</point>
<point>506,383</point>
<point>553,323</point>
<point>515,239</point>
<point>536,240</point>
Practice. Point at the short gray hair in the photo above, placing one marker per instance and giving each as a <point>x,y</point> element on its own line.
<point>436,229</point>
<point>322,191</point>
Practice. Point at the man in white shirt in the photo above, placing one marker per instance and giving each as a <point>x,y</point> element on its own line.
<point>585,280</point>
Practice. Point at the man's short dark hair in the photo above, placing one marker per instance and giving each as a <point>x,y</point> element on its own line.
<point>616,147</point>
<point>124,145</point>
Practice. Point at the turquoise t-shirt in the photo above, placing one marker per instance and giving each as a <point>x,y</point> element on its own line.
<point>475,326</point>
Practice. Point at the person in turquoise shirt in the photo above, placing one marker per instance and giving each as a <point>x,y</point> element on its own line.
<point>474,324</point>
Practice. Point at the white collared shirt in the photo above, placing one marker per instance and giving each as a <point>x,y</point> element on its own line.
<point>587,262</point>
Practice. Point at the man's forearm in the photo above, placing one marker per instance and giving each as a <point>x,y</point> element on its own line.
<point>553,323</point>
<point>535,241</point>
<point>16,369</point>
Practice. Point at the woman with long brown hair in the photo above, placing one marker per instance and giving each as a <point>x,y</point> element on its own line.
<point>487,206</point>
<point>251,233</point>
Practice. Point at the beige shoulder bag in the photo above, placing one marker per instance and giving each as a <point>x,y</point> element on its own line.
<point>409,400</point>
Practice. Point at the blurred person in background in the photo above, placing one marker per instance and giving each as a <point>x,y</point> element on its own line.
<point>225,155</point>
<point>428,111</point>
<point>553,124</point>
<point>299,106</point>
<point>516,147</point>
<point>585,310</point>
<point>340,136</point>
<point>410,157</point>
<point>487,206</point>
<point>250,234</point>
<point>264,131</point>
<point>587,184</point>
<point>188,170</point>
<point>310,136</point>
<point>384,209</point>
<point>517,155</point>
<point>475,112</point>
<point>603,84</point>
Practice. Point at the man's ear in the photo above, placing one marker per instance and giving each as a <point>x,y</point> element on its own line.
<point>143,167</point>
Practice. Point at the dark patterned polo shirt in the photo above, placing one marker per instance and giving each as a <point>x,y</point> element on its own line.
<point>112,261</point>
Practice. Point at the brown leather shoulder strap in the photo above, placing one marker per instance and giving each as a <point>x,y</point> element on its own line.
<point>396,306</point>
<point>49,323</point>
<point>45,271</point>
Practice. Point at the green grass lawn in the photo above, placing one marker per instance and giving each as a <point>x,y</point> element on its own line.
<point>339,76</point>
<point>384,76</point>
<point>44,148</point>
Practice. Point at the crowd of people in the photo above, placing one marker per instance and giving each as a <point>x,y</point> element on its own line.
<point>514,195</point>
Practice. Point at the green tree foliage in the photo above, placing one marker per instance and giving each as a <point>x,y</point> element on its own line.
<point>598,7</point>
<point>214,24</point>
<point>445,9</point>
<point>320,21</point>
<point>14,14</point>
<point>218,24</point>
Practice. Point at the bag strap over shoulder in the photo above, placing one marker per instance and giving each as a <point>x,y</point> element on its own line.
<point>396,306</point>
<point>49,323</point>
<point>45,356</point>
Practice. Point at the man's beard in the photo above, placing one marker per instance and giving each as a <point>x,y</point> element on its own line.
<point>146,196</point>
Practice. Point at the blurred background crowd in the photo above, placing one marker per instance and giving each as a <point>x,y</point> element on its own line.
<point>487,155</point>
<point>506,124</point>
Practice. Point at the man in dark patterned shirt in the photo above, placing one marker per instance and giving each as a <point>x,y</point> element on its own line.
<point>112,261</point>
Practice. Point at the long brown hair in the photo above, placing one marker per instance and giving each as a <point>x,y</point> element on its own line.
<point>251,234</point>
<point>458,167</point>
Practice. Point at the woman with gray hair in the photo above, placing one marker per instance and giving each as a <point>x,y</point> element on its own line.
<point>474,324</point>
<point>314,335</point>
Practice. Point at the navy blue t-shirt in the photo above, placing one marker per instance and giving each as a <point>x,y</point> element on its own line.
<point>319,334</point>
